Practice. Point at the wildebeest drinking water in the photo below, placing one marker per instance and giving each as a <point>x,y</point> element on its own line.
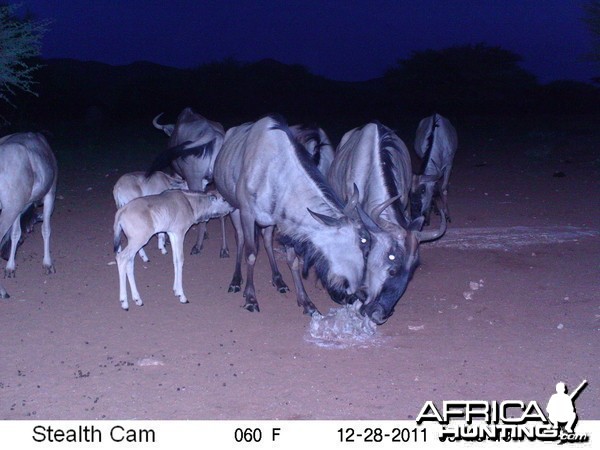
<point>269,178</point>
<point>28,174</point>
<point>376,160</point>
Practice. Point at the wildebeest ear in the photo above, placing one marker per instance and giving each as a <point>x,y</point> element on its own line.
<point>325,220</point>
<point>416,224</point>
<point>369,223</point>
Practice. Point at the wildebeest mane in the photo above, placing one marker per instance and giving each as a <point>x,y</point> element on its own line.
<point>165,158</point>
<point>308,163</point>
<point>430,139</point>
<point>387,146</point>
<point>313,257</point>
<point>311,133</point>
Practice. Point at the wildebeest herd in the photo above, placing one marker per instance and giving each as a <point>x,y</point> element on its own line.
<point>356,215</point>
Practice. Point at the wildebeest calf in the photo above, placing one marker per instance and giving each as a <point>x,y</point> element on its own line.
<point>137,184</point>
<point>172,212</point>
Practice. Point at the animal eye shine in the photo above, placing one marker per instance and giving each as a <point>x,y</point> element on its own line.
<point>363,240</point>
<point>391,257</point>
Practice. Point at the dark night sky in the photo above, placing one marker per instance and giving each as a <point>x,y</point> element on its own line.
<point>341,39</point>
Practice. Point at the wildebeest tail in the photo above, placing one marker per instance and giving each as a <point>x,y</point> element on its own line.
<point>165,158</point>
<point>430,139</point>
<point>117,234</point>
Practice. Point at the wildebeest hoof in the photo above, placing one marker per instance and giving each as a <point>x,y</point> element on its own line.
<point>224,253</point>
<point>9,273</point>
<point>49,270</point>
<point>4,295</point>
<point>234,288</point>
<point>311,310</point>
<point>196,250</point>
<point>281,287</point>
<point>252,307</point>
<point>279,284</point>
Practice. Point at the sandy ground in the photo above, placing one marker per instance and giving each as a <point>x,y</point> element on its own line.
<point>503,307</point>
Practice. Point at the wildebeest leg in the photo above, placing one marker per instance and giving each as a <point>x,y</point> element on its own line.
<point>444,193</point>
<point>161,244</point>
<point>277,279</point>
<point>251,250</point>
<point>177,249</point>
<point>7,218</point>
<point>428,202</point>
<point>143,255</point>
<point>224,249</point>
<point>125,265</point>
<point>15,235</point>
<point>130,267</point>
<point>28,219</point>
<point>46,230</point>
<point>301,295</point>
<point>236,281</point>
<point>121,266</point>
<point>197,248</point>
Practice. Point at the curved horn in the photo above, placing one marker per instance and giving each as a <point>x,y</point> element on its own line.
<point>325,220</point>
<point>380,208</point>
<point>426,236</point>
<point>156,124</point>
<point>349,208</point>
<point>369,223</point>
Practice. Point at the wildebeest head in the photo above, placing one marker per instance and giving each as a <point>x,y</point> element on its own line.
<point>392,260</point>
<point>340,268</point>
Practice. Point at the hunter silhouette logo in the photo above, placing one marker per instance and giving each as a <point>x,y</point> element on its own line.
<point>561,407</point>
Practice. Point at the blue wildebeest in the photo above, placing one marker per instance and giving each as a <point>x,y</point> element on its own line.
<point>435,143</point>
<point>189,157</point>
<point>28,173</point>
<point>316,142</point>
<point>375,159</point>
<point>136,184</point>
<point>172,212</point>
<point>270,180</point>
